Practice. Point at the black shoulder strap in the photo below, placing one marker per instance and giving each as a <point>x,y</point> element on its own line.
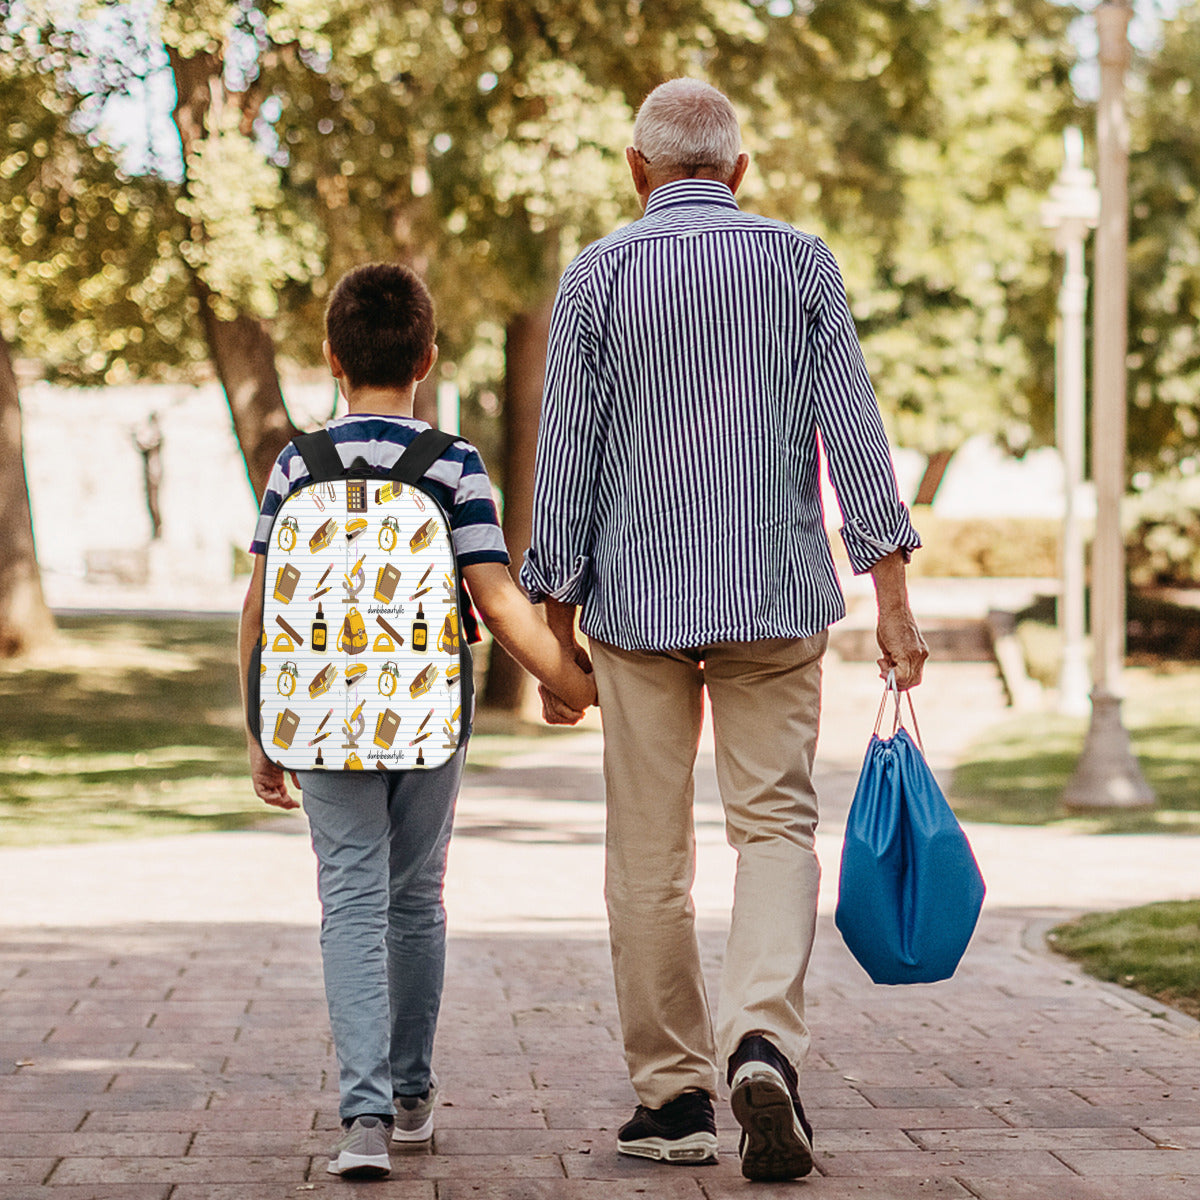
<point>425,449</point>
<point>320,456</point>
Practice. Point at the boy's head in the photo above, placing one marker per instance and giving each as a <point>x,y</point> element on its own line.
<point>380,325</point>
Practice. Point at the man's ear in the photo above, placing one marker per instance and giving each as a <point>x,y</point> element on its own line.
<point>637,168</point>
<point>739,172</point>
<point>426,365</point>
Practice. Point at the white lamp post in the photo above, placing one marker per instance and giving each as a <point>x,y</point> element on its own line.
<point>1107,775</point>
<point>1071,211</point>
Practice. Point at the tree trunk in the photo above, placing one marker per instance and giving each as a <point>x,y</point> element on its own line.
<point>241,350</point>
<point>244,357</point>
<point>935,468</point>
<point>25,621</point>
<point>526,340</point>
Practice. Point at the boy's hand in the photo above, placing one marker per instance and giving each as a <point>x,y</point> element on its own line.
<point>269,784</point>
<point>556,711</point>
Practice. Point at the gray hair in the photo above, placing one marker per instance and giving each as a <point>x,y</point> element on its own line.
<point>685,124</point>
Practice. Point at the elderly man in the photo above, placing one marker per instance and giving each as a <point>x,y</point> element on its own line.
<point>697,358</point>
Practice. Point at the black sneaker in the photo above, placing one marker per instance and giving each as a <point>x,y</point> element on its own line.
<point>682,1131</point>
<point>776,1136</point>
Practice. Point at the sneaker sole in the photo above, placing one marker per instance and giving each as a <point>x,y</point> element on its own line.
<point>695,1148</point>
<point>360,1166</point>
<point>776,1148</point>
<point>421,1134</point>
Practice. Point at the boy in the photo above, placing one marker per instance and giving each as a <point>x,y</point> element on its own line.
<point>381,837</point>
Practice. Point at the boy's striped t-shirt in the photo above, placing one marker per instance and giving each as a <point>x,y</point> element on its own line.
<point>458,481</point>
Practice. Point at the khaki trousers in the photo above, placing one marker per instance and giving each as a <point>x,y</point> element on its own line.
<point>765,698</point>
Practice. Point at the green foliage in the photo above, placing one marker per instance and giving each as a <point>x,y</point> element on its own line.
<point>90,283</point>
<point>958,311</point>
<point>1162,533</point>
<point>247,242</point>
<point>483,143</point>
<point>1164,248</point>
<point>1154,949</point>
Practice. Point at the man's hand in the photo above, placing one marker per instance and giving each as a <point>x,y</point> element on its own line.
<point>903,647</point>
<point>561,619</point>
<point>269,783</point>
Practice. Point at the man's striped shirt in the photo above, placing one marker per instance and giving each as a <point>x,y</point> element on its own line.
<point>458,481</point>
<point>697,358</point>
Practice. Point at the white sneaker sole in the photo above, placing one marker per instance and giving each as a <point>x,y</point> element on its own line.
<point>421,1134</point>
<point>695,1148</point>
<point>360,1166</point>
<point>776,1147</point>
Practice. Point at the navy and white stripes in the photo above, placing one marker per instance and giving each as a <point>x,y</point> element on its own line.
<point>458,481</point>
<point>696,357</point>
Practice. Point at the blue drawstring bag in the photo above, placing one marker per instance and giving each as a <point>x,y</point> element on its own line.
<point>909,891</point>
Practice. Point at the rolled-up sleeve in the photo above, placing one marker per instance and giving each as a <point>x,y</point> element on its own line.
<point>558,561</point>
<point>875,520</point>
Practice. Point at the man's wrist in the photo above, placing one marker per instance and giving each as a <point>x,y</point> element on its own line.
<point>561,619</point>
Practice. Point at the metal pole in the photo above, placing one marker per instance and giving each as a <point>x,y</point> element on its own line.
<point>1107,775</point>
<point>1072,307</point>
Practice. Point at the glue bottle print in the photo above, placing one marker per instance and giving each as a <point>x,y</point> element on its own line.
<point>320,632</point>
<point>420,632</point>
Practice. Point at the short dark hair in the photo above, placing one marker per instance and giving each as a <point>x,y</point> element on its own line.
<point>380,325</point>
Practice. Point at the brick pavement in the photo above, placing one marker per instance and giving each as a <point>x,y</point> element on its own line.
<point>147,1059</point>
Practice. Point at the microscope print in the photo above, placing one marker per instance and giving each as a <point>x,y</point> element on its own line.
<point>360,651</point>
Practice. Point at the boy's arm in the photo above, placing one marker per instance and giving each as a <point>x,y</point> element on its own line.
<point>269,783</point>
<point>519,628</point>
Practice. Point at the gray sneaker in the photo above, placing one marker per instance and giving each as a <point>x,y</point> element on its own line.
<point>414,1115</point>
<point>362,1151</point>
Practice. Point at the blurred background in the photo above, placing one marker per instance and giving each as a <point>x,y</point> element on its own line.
<point>181,184</point>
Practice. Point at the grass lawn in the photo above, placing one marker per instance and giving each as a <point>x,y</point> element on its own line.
<point>130,726</point>
<point>1016,772</point>
<point>1154,949</point>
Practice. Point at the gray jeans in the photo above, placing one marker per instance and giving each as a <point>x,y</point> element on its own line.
<point>380,841</point>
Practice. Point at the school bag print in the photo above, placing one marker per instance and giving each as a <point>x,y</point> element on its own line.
<point>362,662</point>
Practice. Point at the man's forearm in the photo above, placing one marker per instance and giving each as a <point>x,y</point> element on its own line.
<point>561,619</point>
<point>903,648</point>
<point>891,582</point>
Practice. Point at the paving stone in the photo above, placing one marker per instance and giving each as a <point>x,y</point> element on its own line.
<point>516,1141</point>
<point>249,1170</point>
<point>1124,1163</point>
<point>1143,1188</point>
<point>25,1170</point>
<point>121,1191</point>
<point>908,1119</point>
<point>321,1185</point>
<point>1173,1137</point>
<point>931,1164</point>
<point>678,1186</point>
<point>867,1188</point>
<point>95,1145</point>
<point>481,1166</point>
<point>531,1117</point>
<point>1031,1139</point>
<point>297,1117</point>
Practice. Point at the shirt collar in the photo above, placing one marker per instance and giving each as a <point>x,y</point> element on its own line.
<point>690,191</point>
